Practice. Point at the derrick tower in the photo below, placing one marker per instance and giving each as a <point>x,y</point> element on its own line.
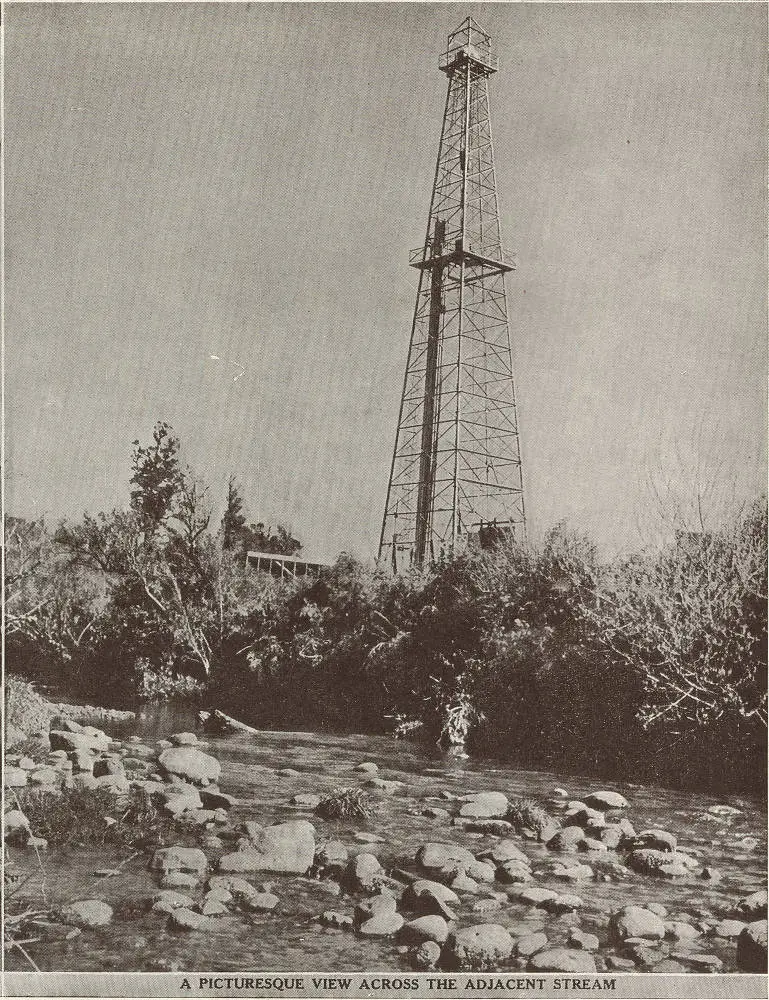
<point>456,468</point>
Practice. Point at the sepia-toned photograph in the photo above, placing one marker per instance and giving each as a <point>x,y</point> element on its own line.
<point>385,515</point>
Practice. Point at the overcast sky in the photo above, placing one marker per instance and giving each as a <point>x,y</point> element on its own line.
<point>246,180</point>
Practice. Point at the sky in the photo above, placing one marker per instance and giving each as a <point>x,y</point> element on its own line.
<point>208,213</point>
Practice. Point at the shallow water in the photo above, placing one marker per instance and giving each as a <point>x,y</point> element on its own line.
<point>290,940</point>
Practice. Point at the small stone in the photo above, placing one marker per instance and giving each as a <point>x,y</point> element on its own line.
<point>708,963</point>
<point>562,960</point>
<point>567,839</point>
<point>428,928</point>
<point>514,872</point>
<point>369,838</point>
<point>486,805</point>
<point>426,956</point>
<point>432,812</point>
<point>584,941</point>
<point>636,922</point>
<point>620,964</point>
<point>305,800</point>
<point>729,928</point>
<point>658,840</point>
<point>191,764</point>
<point>179,880</point>
<point>87,913</point>
<point>463,883</point>
<point>385,923</point>
<point>211,799</point>
<point>678,930</point>
<point>477,948</point>
<point>367,767</point>
<point>363,870</point>
<point>183,739</point>
<point>212,907</point>
<point>177,858</point>
<point>260,901</point>
<point>531,943</point>
<point>606,800</point>
<point>14,777</point>
<point>724,810</point>
<point>184,919</point>
<point>44,776</point>
<point>169,900</point>
<point>16,827</point>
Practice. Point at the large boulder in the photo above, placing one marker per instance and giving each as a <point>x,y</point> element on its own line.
<point>363,871</point>
<point>384,923</point>
<point>183,919</point>
<point>751,947</point>
<point>85,742</point>
<point>179,859</point>
<point>429,928</point>
<point>570,838</point>
<point>14,777</point>
<point>658,840</point>
<point>486,805</point>
<point>480,948</point>
<point>429,897</point>
<point>170,899</point>
<point>604,800</point>
<point>505,850</point>
<point>191,764</point>
<point>439,857</point>
<point>87,913</point>
<point>16,827</point>
<point>562,960</point>
<point>285,847</point>
<point>636,922</point>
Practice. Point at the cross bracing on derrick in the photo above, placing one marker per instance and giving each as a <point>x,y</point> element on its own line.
<point>456,463</point>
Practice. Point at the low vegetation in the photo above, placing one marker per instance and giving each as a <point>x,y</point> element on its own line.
<point>346,803</point>
<point>651,666</point>
<point>94,817</point>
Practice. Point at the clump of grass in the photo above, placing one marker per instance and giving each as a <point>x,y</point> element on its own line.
<point>346,803</point>
<point>526,814</point>
<point>96,816</point>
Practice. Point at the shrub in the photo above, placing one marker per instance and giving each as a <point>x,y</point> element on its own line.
<point>526,814</point>
<point>346,803</point>
<point>79,817</point>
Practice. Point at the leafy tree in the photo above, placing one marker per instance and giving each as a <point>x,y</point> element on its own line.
<point>157,478</point>
<point>233,520</point>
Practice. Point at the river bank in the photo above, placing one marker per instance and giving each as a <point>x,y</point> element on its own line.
<point>449,863</point>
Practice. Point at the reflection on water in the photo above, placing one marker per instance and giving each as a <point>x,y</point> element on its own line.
<point>289,940</point>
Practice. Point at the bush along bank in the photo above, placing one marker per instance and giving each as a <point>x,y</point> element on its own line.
<point>496,884</point>
<point>653,667</point>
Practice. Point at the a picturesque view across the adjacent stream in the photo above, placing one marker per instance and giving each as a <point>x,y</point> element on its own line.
<point>668,882</point>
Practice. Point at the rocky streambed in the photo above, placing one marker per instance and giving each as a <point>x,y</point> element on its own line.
<point>423,862</point>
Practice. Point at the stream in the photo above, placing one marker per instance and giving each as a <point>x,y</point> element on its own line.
<point>291,939</point>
